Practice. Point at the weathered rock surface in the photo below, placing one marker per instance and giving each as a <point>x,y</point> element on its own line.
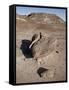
<point>48,74</point>
<point>43,46</point>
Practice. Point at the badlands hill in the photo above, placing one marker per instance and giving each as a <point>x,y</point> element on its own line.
<point>42,18</point>
<point>41,21</point>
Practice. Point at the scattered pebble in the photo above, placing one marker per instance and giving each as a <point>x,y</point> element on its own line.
<point>57,52</point>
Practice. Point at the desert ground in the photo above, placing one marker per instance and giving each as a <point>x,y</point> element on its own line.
<point>53,64</point>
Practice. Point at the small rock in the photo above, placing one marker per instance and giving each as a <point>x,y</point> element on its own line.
<point>41,70</point>
<point>57,52</point>
<point>24,59</point>
<point>48,74</point>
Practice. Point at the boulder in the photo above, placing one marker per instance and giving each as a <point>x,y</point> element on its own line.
<point>49,74</point>
<point>43,45</point>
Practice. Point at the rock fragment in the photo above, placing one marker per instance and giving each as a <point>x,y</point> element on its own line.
<point>46,73</point>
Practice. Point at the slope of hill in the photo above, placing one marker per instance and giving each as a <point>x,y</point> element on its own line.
<point>42,21</point>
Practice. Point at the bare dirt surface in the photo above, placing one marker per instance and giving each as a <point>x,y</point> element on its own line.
<point>53,65</point>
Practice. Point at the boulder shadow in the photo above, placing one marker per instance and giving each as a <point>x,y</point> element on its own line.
<point>41,70</point>
<point>25,48</point>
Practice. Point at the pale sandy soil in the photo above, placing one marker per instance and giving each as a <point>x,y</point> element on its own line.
<point>26,68</point>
